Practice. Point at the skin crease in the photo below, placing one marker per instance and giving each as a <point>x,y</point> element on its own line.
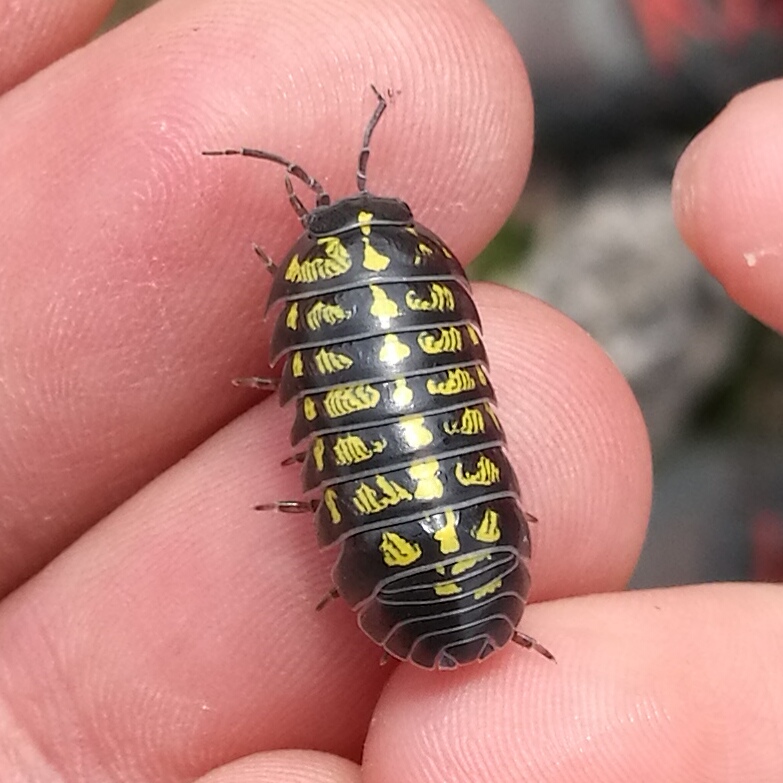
<point>160,638</point>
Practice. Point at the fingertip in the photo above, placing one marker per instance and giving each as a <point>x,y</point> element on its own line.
<point>286,766</point>
<point>727,198</point>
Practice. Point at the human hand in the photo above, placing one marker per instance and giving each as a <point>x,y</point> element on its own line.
<point>161,637</point>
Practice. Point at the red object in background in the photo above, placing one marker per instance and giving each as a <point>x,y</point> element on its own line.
<point>766,533</point>
<point>666,25</point>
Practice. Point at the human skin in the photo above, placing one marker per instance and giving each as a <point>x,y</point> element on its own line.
<point>154,627</point>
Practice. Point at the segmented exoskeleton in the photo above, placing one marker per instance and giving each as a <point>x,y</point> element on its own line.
<point>384,360</point>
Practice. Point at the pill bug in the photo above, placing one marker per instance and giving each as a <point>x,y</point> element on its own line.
<point>383,358</point>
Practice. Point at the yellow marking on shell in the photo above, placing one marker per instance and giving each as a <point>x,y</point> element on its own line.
<point>425,474</point>
<point>398,551</point>
<point>335,250</point>
<point>351,449</point>
<point>317,450</point>
<point>447,588</point>
<point>373,260</point>
<point>486,473</point>
<point>330,501</point>
<point>456,382</point>
<point>466,562</point>
<point>322,313</point>
<point>481,375</point>
<point>447,536</point>
<point>487,589</point>
<point>412,230</point>
<point>309,409</point>
<point>393,350</point>
<point>446,252</point>
<point>441,569</point>
<point>471,422</point>
<point>297,365</point>
<point>292,315</point>
<point>366,499</point>
<point>473,335</point>
<point>382,307</point>
<point>336,262</point>
<point>364,219</point>
<point>449,340</point>
<point>488,530</point>
<point>415,432</point>
<point>331,361</point>
<point>492,415</point>
<point>402,394</point>
<point>441,299</point>
<point>425,249</point>
<point>343,400</point>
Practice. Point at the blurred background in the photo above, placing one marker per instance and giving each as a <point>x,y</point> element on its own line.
<point>620,86</point>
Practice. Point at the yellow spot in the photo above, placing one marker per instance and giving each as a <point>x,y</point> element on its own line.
<point>449,340</point>
<point>398,551</point>
<point>318,453</point>
<point>351,449</point>
<point>466,562</point>
<point>330,501</point>
<point>311,270</point>
<point>425,474</point>
<point>488,588</point>
<point>335,250</point>
<point>446,252</point>
<point>481,375</point>
<point>486,473</point>
<point>364,219</point>
<point>441,299</point>
<point>321,313</point>
<point>416,434</point>
<point>382,307</point>
<point>402,394</point>
<point>297,365</point>
<point>367,500</point>
<point>412,230</point>
<point>473,335</point>
<point>373,260</point>
<point>292,315</point>
<point>488,530</point>
<point>447,588</point>
<point>393,351</point>
<point>308,408</point>
<point>492,414</point>
<point>471,422</point>
<point>447,535</point>
<point>348,399</point>
<point>456,382</point>
<point>425,250</point>
<point>331,361</point>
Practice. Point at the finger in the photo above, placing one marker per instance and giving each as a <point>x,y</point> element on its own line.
<point>666,685</point>
<point>728,198</point>
<point>133,296</point>
<point>188,610</point>
<point>287,766</point>
<point>36,33</point>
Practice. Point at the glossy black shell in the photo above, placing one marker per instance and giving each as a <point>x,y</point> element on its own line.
<point>383,356</point>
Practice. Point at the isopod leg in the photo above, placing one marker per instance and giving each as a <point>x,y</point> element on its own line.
<point>289,506</point>
<point>254,382</point>
<point>330,596</point>
<point>294,458</point>
<point>270,265</point>
<point>530,643</point>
